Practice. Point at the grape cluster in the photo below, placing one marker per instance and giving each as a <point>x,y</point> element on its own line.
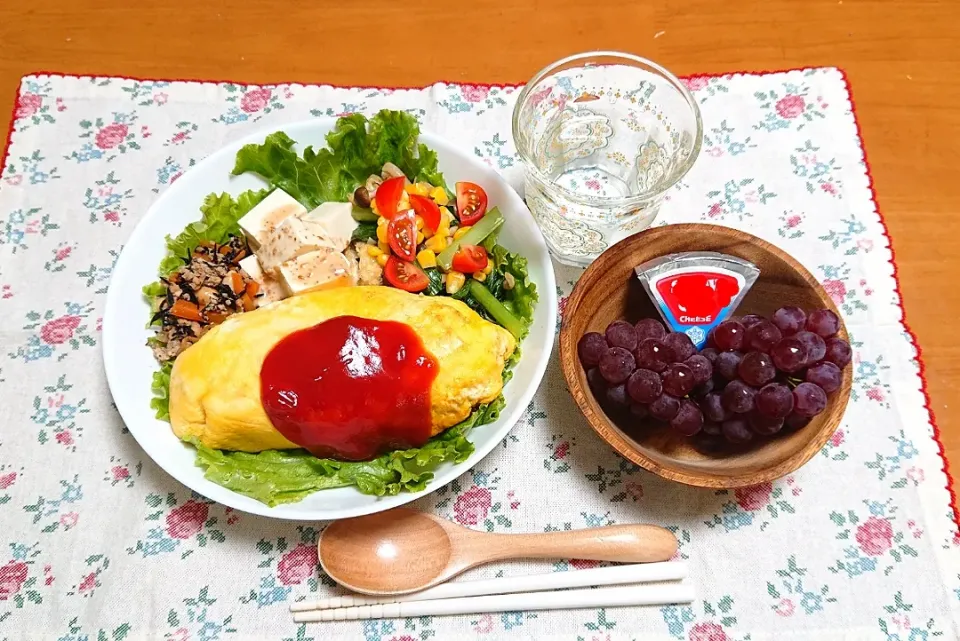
<point>755,377</point>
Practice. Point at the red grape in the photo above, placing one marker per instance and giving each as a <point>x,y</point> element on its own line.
<point>710,353</point>
<point>774,400</point>
<point>808,399</point>
<point>838,351</point>
<point>826,375</point>
<point>727,364</point>
<point>701,367</point>
<point>711,428</point>
<point>644,386</point>
<point>764,425</point>
<point>678,380</point>
<point>683,348</point>
<point>823,322</point>
<point>590,348</point>
<point>762,336</point>
<point>653,355</point>
<point>639,411</point>
<point>728,335</point>
<point>789,320</point>
<point>736,430</point>
<point>621,334</point>
<point>813,345</point>
<point>738,397</point>
<point>756,369</point>
<point>665,407</point>
<point>749,320</point>
<point>795,422</point>
<point>596,382</point>
<point>617,396</point>
<point>689,419</point>
<point>789,355</point>
<point>713,409</point>
<point>650,328</point>
<point>703,388</point>
<point>616,365</point>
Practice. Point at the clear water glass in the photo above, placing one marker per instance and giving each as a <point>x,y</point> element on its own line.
<point>602,137</point>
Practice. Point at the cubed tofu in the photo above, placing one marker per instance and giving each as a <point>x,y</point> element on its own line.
<point>316,271</point>
<point>270,288</point>
<point>292,238</point>
<point>269,213</point>
<point>336,221</point>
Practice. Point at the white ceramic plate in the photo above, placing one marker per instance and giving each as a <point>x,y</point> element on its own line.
<point>130,364</point>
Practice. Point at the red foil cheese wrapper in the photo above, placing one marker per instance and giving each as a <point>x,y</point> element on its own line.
<point>696,291</point>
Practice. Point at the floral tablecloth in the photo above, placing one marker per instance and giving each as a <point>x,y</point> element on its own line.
<point>96,542</point>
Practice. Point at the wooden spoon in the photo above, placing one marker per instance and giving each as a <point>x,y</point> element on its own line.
<point>402,550</point>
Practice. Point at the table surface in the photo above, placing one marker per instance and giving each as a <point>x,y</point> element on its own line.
<point>901,59</point>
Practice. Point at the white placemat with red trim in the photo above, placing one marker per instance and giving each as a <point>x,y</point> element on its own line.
<point>97,542</point>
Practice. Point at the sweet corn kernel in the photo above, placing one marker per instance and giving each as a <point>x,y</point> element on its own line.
<point>419,222</point>
<point>382,221</point>
<point>404,203</point>
<point>382,233</point>
<point>382,259</point>
<point>427,259</point>
<point>420,189</point>
<point>479,276</point>
<point>457,235</point>
<point>489,267</point>
<point>374,251</point>
<point>439,194</point>
<point>373,207</point>
<point>420,237</point>
<point>437,243</point>
<point>384,247</point>
<point>443,229</point>
<point>455,281</point>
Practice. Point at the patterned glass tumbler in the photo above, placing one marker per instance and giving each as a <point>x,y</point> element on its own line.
<point>602,136</point>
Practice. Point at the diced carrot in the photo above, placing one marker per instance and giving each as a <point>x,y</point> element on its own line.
<point>248,303</point>
<point>217,317</point>
<point>252,288</point>
<point>224,249</point>
<point>240,255</point>
<point>186,310</point>
<point>236,282</point>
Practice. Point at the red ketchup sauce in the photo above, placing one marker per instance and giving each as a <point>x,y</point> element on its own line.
<point>350,388</point>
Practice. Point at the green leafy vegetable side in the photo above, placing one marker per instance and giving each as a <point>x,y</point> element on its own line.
<point>356,148</point>
<point>286,476</point>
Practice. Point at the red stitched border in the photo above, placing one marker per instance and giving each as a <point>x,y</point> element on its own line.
<point>951,484</point>
<point>873,195</point>
<point>9,137</point>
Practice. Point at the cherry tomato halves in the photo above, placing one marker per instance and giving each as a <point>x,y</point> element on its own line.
<point>388,196</point>
<point>471,202</point>
<point>402,235</point>
<point>470,259</point>
<point>405,275</point>
<point>427,209</point>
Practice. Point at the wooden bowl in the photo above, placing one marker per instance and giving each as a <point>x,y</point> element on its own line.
<point>609,290</point>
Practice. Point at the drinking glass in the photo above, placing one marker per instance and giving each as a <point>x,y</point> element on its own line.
<point>602,136</point>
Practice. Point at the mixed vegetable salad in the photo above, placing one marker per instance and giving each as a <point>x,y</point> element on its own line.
<point>406,230</point>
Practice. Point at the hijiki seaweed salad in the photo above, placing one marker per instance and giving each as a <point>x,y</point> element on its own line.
<point>376,191</point>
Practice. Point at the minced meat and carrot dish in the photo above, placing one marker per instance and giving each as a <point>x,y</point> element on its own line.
<point>202,293</point>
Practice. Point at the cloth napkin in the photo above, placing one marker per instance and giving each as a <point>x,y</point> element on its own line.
<point>97,542</point>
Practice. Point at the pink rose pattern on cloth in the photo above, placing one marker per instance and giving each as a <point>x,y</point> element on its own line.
<point>98,542</point>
